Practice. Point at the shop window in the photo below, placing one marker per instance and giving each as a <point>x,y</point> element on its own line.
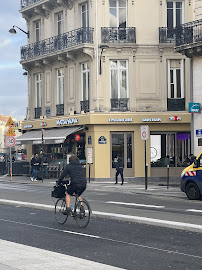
<point>171,149</point>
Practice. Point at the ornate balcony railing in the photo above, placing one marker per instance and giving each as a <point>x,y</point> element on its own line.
<point>60,109</point>
<point>167,35</point>
<point>84,105</point>
<point>119,104</point>
<point>189,33</point>
<point>57,43</point>
<point>38,112</point>
<point>25,3</point>
<point>118,35</point>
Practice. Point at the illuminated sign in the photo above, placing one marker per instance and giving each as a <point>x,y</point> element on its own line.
<point>69,121</point>
<point>151,119</point>
<point>175,118</point>
<point>28,126</point>
<point>121,120</point>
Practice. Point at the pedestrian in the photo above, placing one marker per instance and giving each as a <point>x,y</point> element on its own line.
<point>119,169</point>
<point>33,168</point>
<point>38,167</point>
<point>45,165</point>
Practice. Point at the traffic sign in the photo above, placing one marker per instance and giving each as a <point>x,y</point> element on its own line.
<point>10,141</point>
<point>144,133</point>
<point>198,132</point>
<point>10,132</point>
<point>10,123</point>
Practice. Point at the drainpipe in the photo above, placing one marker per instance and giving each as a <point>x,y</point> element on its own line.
<point>96,48</point>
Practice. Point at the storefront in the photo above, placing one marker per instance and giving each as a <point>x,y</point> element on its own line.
<point>108,136</point>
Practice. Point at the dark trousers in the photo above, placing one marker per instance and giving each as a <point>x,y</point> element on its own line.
<point>119,171</point>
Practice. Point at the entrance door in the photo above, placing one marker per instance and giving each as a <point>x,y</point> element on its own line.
<point>122,145</point>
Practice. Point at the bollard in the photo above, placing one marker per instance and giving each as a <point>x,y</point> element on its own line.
<point>168,176</point>
<point>146,170</point>
<point>58,169</point>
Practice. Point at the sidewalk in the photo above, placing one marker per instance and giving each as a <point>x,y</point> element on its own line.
<point>128,187</point>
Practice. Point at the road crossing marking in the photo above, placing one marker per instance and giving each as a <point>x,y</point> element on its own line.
<point>194,210</point>
<point>136,204</point>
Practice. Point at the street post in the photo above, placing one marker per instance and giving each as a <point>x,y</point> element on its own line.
<point>145,137</point>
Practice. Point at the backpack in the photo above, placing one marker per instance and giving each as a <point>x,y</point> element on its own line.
<point>58,192</point>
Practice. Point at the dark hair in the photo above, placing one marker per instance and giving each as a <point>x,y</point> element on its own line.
<point>73,157</point>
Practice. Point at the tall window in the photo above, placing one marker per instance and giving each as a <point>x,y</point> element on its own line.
<point>85,15</point>
<point>175,13</point>
<point>175,78</point>
<point>37,30</point>
<point>118,13</point>
<point>119,79</point>
<point>59,17</point>
<point>85,81</point>
<point>60,86</point>
<point>38,86</point>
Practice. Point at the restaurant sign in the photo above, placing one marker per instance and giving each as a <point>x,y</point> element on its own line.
<point>69,121</point>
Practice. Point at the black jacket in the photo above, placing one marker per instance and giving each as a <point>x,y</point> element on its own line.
<point>33,161</point>
<point>75,171</point>
<point>119,165</point>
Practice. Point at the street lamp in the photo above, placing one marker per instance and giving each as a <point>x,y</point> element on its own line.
<point>13,31</point>
<point>102,47</point>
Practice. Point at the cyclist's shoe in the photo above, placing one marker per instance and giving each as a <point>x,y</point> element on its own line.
<point>82,211</point>
<point>67,211</point>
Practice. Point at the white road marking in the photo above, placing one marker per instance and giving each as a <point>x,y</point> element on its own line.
<point>194,210</point>
<point>103,238</point>
<point>136,204</point>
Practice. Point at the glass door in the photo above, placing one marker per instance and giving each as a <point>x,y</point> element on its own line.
<point>122,146</point>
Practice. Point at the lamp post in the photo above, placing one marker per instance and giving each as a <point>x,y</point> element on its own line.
<point>13,31</point>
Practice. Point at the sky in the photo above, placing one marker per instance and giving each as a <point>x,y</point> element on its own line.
<point>13,85</point>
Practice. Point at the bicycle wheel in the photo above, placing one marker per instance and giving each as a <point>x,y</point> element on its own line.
<point>82,213</point>
<point>60,206</point>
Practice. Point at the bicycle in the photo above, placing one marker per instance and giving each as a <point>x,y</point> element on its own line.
<point>81,211</point>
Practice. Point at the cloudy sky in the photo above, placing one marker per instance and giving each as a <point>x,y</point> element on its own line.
<point>13,85</point>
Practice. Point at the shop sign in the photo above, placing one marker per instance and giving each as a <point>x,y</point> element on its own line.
<point>144,133</point>
<point>37,142</point>
<point>28,126</point>
<point>59,141</point>
<point>68,121</point>
<point>175,118</point>
<point>151,119</point>
<point>194,107</point>
<point>89,140</point>
<point>198,132</point>
<point>43,124</point>
<point>102,140</point>
<point>120,120</point>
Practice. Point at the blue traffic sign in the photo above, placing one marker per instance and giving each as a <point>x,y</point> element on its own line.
<point>194,107</point>
<point>198,132</point>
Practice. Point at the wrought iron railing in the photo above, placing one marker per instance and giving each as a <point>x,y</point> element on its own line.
<point>189,33</point>
<point>118,35</point>
<point>38,111</point>
<point>60,109</point>
<point>84,105</point>
<point>57,43</point>
<point>119,104</point>
<point>167,35</point>
<point>25,3</point>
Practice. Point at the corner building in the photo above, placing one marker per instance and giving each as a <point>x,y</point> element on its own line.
<point>102,69</point>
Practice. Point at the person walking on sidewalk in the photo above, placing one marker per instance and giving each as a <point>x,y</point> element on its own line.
<point>33,168</point>
<point>119,169</point>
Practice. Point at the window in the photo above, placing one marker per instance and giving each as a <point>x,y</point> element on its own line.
<point>59,18</point>
<point>37,31</point>
<point>119,79</point>
<point>118,11</point>
<point>85,81</point>
<point>60,86</point>
<point>85,15</point>
<point>175,13</point>
<point>175,78</point>
<point>38,85</point>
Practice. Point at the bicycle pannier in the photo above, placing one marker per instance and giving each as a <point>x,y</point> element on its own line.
<point>58,191</point>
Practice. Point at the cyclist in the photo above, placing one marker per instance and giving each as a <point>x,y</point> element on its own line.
<point>78,180</point>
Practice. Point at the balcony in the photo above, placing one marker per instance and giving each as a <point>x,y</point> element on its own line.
<point>176,104</point>
<point>60,109</point>
<point>57,43</point>
<point>119,104</point>
<point>85,105</point>
<point>118,35</point>
<point>26,3</point>
<point>37,112</point>
<point>167,35</point>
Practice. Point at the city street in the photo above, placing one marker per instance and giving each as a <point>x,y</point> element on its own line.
<point>117,234</point>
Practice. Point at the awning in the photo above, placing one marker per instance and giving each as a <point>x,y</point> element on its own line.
<point>51,136</point>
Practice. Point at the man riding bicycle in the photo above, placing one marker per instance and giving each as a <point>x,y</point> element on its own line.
<point>78,180</point>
